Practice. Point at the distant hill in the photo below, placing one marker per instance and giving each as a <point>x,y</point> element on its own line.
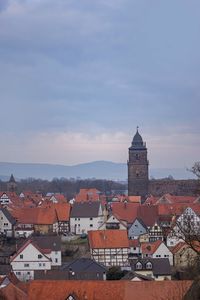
<point>97,169</point>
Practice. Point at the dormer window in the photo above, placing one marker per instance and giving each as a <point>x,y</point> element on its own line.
<point>70,297</point>
<point>138,266</point>
<point>149,265</point>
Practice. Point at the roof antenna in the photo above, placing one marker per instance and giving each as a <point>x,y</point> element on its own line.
<point>137,128</point>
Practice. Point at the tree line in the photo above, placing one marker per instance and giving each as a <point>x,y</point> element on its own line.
<point>68,187</point>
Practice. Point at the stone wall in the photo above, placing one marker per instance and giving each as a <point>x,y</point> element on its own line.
<point>175,187</point>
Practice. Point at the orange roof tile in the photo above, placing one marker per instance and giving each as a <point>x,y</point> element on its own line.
<point>178,247</point>
<point>108,290</point>
<point>40,216</point>
<point>87,195</point>
<point>134,199</point>
<point>108,239</point>
<point>150,248</point>
<point>12,292</point>
<point>125,211</point>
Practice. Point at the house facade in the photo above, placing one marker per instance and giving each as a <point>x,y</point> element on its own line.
<point>137,229</point>
<point>86,216</point>
<point>109,247</point>
<point>156,249</point>
<point>28,259</point>
<point>113,223</point>
<point>7,223</point>
<point>37,253</point>
<point>157,269</point>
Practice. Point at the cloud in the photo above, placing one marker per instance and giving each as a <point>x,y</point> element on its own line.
<point>3,5</point>
<point>68,148</point>
<point>98,67</point>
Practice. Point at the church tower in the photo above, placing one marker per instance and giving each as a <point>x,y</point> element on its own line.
<point>138,168</point>
<point>11,184</point>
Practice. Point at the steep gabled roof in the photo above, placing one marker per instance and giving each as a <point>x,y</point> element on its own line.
<point>8,215</point>
<point>26,244</point>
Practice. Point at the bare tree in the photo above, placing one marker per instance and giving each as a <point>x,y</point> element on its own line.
<point>196,169</point>
<point>187,228</point>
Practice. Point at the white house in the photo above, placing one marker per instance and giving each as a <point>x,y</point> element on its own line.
<point>28,259</point>
<point>5,198</point>
<point>86,216</point>
<point>37,253</point>
<point>156,249</point>
<point>6,222</point>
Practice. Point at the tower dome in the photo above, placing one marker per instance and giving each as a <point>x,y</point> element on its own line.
<point>138,141</point>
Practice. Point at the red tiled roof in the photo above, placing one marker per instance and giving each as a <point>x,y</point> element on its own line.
<point>177,208</point>
<point>151,200</point>
<point>108,290</point>
<point>148,214</point>
<point>134,199</point>
<point>150,248</point>
<point>178,247</point>
<point>62,209</point>
<point>40,216</point>
<point>12,292</point>
<point>108,239</point>
<point>125,211</point>
<point>87,195</point>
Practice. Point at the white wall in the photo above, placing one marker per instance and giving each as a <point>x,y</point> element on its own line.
<point>29,261</point>
<point>5,225</point>
<point>163,252</point>
<point>83,225</point>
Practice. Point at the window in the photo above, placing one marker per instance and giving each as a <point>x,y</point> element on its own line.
<point>91,225</point>
<point>39,256</point>
<point>18,273</point>
<point>91,219</point>
<point>149,265</point>
<point>138,266</point>
<point>26,265</point>
<point>21,256</point>
<point>40,264</point>
<point>56,260</point>
<point>44,264</point>
<point>28,273</point>
<point>70,297</point>
<point>5,224</point>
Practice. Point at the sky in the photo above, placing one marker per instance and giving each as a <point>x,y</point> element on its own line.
<point>77,77</point>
